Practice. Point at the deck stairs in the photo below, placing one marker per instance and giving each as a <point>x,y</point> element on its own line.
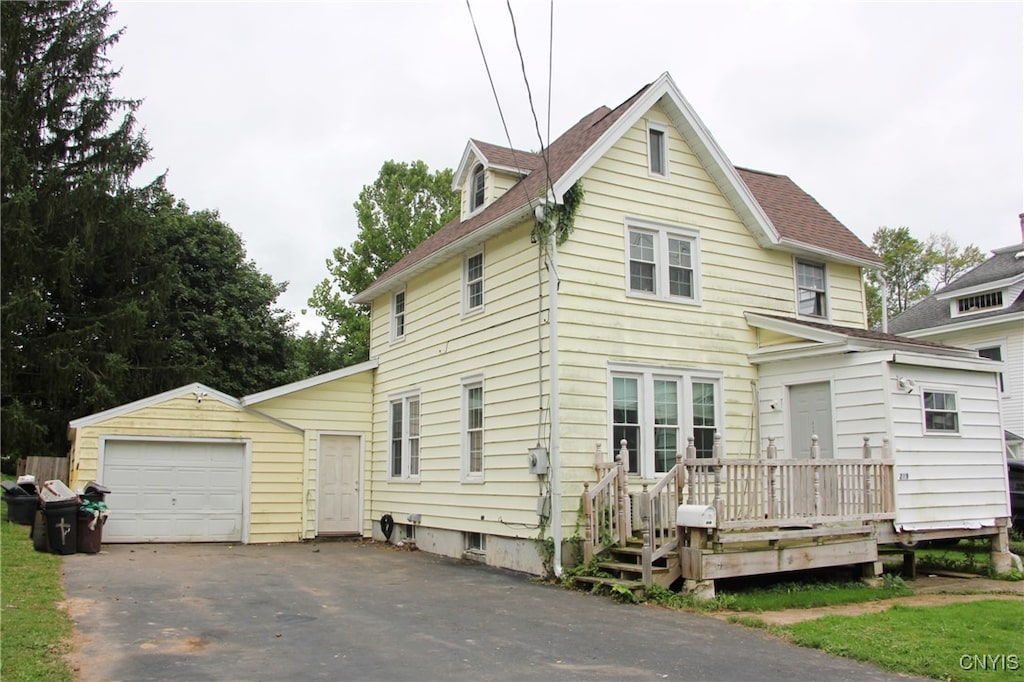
<point>625,566</point>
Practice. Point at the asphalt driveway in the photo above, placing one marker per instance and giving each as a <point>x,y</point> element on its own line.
<point>354,611</point>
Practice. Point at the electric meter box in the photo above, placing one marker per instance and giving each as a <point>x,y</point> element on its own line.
<point>538,460</point>
<point>696,516</point>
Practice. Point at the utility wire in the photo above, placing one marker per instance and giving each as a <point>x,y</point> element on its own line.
<point>494,90</point>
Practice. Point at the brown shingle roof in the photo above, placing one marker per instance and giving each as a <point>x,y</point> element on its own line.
<point>796,215</point>
<point>799,217</point>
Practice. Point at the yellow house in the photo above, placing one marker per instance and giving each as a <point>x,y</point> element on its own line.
<point>628,292</point>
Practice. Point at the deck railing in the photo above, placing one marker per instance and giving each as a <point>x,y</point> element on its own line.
<point>746,494</point>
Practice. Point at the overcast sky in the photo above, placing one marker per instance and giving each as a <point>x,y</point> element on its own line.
<point>276,114</point>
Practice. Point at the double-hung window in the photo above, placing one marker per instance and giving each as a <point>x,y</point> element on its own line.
<point>398,316</point>
<point>472,429</point>
<point>662,262</point>
<point>657,149</point>
<point>655,410</point>
<point>404,437</point>
<point>473,283</point>
<point>940,412</point>
<point>811,287</point>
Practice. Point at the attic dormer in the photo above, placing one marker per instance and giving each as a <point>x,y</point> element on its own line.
<point>487,171</point>
<point>983,298</point>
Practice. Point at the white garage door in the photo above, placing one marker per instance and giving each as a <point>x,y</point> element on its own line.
<point>174,491</point>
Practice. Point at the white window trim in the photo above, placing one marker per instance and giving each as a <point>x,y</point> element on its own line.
<point>466,309</point>
<point>395,335</point>
<point>467,476</point>
<point>663,129</point>
<point>404,397</point>
<point>924,413</point>
<point>648,374</point>
<point>662,232</point>
<point>796,289</point>
<point>1001,345</point>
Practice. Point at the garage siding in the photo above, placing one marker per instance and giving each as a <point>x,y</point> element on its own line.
<point>276,452</point>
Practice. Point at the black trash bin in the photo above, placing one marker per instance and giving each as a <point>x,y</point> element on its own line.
<point>94,492</point>
<point>21,503</point>
<point>62,526</point>
<point>91,517</point>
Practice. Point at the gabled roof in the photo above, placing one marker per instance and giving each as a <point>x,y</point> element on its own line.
<point>318,380</point>
<point>760,203</point>
<point>196,390</point>
<point>492,156</point>
<point>1003,270</point>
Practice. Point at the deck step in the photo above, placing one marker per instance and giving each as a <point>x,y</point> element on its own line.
<point>597,580</point>
<point>622,566</point>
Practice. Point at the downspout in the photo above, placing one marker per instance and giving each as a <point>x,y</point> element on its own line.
<point>885,304</point>
<point>555,458</point>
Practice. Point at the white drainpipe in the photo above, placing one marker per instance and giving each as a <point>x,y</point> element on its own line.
<point>555,463</point>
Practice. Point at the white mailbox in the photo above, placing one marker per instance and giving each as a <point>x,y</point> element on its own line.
<point>696,516</point>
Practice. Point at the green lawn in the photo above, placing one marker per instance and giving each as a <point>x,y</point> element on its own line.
<point>965,642</point>
<point>34,633</point>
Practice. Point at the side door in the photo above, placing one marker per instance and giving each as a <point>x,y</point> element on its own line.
<point>338,485</point>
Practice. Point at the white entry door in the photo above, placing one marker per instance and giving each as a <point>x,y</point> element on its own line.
<point>338,484</point>
<point>811,415</point>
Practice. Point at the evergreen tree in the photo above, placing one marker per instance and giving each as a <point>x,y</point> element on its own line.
<point>72,300</point>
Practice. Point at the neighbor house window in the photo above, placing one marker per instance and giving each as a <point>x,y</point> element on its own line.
<point>473,429</point>
<point>473,283</point>
<point>662,262</point>
<point>398,316</point>
<point>810,289</point>
<point>404,437</point>
<point>940,412</point>
<point>657,149</point>
<point>979,302</point>
<point>994,353</point>
<point>655,410</point>
<point>476,198</point>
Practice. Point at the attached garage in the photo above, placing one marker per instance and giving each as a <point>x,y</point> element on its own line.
<point>193,465</point>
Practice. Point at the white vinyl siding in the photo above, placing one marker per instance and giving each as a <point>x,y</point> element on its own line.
<point>994,353</point>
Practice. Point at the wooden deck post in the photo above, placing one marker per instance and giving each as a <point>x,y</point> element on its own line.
<point>866,509</point>
<point>625,511</point>
<point>716,452</point>
<point>771,454</point>
<point>588,523</point>
<point>645,518</point>
<point>691,453</point>
<point>816,458</point>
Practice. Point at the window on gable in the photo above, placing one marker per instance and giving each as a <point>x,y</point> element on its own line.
<point>404,438</point>
<point>811,289</point>
<point>940,412</point>
<point>476,198</point>
<point>979,302</point>
<point>657,150</point>
<point>655,411</point>
<point>663,263</point>
<point>473,429</point>
<point>994,353</point>
<point>398,316</point>
<point>473,283</point>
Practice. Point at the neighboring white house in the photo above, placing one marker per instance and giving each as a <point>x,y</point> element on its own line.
<point>983,310</point>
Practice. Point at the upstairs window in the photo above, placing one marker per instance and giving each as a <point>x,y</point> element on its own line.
<point>398,316</point>
<point>473,283</point>
<point>940,412</point>
<point>657,150</point>
<point>811,299</point>
<point>663,262</point>
<point>476,197</point>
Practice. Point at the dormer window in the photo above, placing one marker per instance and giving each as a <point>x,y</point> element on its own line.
<point>657,150</point>
<point>476,199</point>
<point>979,302</point>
